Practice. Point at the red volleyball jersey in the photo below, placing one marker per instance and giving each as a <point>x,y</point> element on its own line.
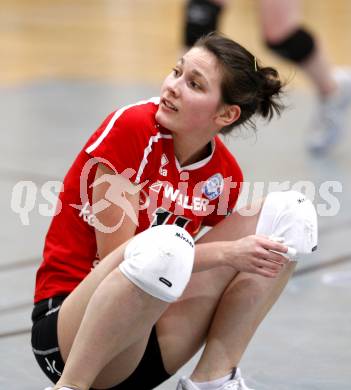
<point>141,152</point>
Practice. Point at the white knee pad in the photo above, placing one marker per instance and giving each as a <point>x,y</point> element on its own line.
<point>291,218</point>
<point>160,261</point>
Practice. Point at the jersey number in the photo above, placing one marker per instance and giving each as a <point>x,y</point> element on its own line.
<point>161,216</point>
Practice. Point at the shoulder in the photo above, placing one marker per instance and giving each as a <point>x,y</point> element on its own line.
<point>128,124</point>
<point>140,113</point>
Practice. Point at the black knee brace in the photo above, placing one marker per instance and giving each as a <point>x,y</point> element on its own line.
<point>297,47</point>
<point>201,18</point>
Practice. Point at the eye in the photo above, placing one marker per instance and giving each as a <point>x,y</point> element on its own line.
<point>194,84</point>
<point>176,72</point>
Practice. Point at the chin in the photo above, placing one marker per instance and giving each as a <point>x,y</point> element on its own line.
<point>164,121</point>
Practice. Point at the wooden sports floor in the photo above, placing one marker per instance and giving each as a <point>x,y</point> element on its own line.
<point>64,65</point>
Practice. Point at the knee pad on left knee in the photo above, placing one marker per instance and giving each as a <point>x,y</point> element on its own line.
<point>296,47</point>
<point>160,261</point>
<point>291,216</point>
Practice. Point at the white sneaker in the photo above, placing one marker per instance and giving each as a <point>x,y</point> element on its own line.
<point>237,383</point>
<point>329,123</point>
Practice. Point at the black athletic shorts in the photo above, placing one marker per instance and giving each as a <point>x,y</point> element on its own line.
<point>149,373</point>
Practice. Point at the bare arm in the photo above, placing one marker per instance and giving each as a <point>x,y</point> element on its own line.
<point>107,242</point>
<point>249,254</point>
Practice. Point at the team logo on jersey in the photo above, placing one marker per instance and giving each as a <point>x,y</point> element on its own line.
<point>164,161</point>
<point>213,186</point>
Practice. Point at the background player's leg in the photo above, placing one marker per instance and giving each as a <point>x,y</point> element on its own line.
<point>282,18</point>
<point>218,305</point>
<point>200,18</point>
<point>285,35</point>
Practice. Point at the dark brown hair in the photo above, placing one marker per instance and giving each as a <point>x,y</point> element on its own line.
<point>255,89</point>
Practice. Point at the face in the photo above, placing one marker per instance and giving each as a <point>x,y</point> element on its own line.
<point>190,94</point>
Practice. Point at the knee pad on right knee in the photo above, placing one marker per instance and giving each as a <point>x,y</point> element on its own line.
<point>296,47</point>
<point>201,18</point>
<point>291,216</point>
<point>160,261</point>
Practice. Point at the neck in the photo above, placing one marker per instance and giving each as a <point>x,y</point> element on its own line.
<point>187,153</point>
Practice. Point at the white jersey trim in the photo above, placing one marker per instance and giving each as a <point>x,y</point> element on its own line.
<point>153,139</point>
<point>198,164</point>
<point>117,114</point>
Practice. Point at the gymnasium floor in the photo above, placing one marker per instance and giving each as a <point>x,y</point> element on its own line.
<point>65,66</point>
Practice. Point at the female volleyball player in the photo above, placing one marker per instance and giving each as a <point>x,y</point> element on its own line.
<point>123,296</point>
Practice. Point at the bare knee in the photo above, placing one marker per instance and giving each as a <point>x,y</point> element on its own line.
<point>254,284</point>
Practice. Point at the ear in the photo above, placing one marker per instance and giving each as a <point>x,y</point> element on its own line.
<point>228,114</point>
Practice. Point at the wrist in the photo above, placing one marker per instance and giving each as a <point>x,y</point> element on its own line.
<point>225,253</point>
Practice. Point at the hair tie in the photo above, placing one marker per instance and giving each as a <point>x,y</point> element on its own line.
<point>255,59</point>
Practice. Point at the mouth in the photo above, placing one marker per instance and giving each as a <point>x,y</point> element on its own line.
<point>169,105</point>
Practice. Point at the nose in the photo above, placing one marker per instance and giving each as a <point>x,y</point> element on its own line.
<point>173,87</point>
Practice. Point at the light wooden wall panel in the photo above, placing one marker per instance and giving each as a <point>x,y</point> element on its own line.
<point>133,41</point>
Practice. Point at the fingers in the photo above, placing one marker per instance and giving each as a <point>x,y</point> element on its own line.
<point>265,272</point>
<point>268,268</point>
<point>276,257</point>
<point>276,246</point>
<point>273,245</point>
<point>269,265</point>
<point>261,255</point>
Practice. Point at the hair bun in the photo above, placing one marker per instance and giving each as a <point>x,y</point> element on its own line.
<point>271,89</point>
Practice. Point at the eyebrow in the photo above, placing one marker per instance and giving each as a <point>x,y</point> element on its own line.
<point>194,71</point>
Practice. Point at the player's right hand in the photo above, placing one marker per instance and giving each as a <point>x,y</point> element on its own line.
<point>254,254</point>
